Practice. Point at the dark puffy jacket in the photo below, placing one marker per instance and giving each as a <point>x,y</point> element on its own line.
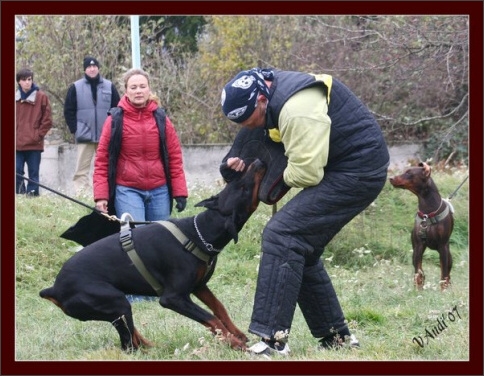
<point>356,142</point>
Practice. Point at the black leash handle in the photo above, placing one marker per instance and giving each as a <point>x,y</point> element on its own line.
<point>110,217</point>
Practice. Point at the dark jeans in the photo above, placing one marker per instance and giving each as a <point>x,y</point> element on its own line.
<point>291,271</point>
<point>32,159</point>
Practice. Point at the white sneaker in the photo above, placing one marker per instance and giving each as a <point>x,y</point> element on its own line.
<point>262,348</point>
<point>352,341</point>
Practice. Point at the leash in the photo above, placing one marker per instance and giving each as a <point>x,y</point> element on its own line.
<point>461,184</point>
<point>110,217</point>
<point>61,194</point>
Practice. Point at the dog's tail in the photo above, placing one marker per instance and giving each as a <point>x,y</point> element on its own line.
<point>46,293</point>
<point>49,294</point>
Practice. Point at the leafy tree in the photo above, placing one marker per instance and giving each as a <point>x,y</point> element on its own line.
<point>234,43</point>
<point>179,34</point>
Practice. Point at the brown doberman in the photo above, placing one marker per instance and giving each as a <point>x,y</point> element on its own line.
<point>434,221</point>
<point>171,259</point>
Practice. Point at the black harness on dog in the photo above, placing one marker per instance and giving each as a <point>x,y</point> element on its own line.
<point>128,246</point>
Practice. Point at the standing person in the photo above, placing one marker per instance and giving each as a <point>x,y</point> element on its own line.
<point>33,119</point>
<point>86,108</point>
<point>336,152</point>
<point>136,168</point>
<point>139,163</point>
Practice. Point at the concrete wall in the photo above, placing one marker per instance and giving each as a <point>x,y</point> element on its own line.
<point>201,164</point>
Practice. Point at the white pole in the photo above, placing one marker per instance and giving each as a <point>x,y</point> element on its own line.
<point>135,50</point>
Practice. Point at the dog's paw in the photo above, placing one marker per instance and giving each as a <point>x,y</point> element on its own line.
<point>237,343</point>
<point>242,337</point>
<point>444,284</point>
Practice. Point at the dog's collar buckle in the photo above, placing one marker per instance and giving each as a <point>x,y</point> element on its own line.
<point>126,240</point>
<point>193,248</point>
<point>125,232</point>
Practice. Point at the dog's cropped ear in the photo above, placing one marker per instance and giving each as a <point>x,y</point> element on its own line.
<point>209,203</point>
<point>426,168</point>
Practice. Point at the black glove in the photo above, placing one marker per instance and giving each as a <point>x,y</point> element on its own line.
<point>181,203</point>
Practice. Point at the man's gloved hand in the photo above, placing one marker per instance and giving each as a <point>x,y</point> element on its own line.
<point>181,203</point>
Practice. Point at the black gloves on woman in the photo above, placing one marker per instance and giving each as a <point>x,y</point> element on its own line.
<point>181,203</point>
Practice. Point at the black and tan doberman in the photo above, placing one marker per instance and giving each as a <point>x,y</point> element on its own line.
<point>178,256</point>
<point>434,221</point>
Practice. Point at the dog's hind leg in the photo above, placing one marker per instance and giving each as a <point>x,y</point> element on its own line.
<point>125,333</point>
<point>218,309</point>
<point>104,302</point>
<point>131,339</point>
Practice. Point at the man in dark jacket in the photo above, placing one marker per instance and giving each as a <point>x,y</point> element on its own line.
<point>86,108</point>
<point>337,154</point>
<point>33,119</point>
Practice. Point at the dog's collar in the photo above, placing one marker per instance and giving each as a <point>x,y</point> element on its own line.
<point>434,217</point>
<point>430,215</point>
<point>207,245</point>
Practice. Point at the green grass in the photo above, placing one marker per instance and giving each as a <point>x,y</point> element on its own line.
<point>369,262</point>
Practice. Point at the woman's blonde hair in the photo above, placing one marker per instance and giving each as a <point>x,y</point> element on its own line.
<point>135,71</point>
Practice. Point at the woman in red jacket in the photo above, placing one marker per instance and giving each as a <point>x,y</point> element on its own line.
<point>140,171</point>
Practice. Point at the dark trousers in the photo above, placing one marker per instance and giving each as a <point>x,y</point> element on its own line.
<point>32,159</point>
<point>291,271</point>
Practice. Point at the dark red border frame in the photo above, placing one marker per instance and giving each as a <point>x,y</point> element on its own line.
<point>11,367</point>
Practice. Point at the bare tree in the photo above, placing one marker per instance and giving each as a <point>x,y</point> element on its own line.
<point>55,46</point>
<point>412,71</point>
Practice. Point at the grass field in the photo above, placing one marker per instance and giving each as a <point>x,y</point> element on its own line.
<point>369,262</point>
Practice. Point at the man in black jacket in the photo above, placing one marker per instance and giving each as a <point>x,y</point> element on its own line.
<point>86,108</point>
<point>337,154</point>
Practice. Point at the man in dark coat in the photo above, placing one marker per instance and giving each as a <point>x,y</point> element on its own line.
<point>336,152</point>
